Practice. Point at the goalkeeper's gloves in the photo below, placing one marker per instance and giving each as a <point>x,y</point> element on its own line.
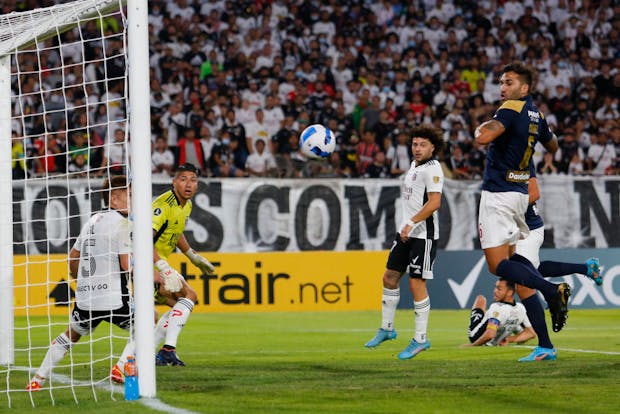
<point>173,281</point>
<point>200,262</point>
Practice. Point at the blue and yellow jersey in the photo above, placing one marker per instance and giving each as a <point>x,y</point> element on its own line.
<point>169,219</point>
<point>508,158</point>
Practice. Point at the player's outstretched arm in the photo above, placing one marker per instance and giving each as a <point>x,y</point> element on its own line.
<point>197,260</point>
<point>523,336</point>
<point>487,131</point>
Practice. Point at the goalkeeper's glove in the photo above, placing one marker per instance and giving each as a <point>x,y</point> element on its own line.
<point>200,262</point>
<point>173,281</point>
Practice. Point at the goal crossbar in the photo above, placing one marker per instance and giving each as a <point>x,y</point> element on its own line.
<point>22,29</point>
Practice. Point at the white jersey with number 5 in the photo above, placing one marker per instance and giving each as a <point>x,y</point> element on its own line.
<point>422,179</point>
<point>100,277</point>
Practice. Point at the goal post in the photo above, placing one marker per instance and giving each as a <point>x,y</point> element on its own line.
<point>7,349</point>
<point>140,131</point>
<point>37,228</point>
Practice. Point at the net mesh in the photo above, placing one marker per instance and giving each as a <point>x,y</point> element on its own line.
<point>69,132</point>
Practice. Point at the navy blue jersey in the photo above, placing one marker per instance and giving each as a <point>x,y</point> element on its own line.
<point>532,219</point>
<point>509,155</point>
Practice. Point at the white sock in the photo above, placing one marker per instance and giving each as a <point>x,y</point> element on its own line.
<point>161,328</point>
<point>422,311</point>
<point>178,316</point>
<point>130,349</point>
<point>389,302</point>
<point>55,353</point>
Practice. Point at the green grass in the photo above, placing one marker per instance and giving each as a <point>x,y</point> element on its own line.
<point>316,363</point>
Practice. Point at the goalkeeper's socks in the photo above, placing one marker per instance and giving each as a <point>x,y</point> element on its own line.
<point>536,315</point>
<point>161,328</point>
<point>55,353</point>
<point>554,269</point>
<point>389,302</point>
<point>177,319</point>
<point>519,270</point>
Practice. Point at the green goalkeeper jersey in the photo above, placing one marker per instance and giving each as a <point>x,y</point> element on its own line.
<point>169,219</point>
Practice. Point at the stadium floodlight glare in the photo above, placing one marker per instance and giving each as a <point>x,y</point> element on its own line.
<point>76,68</point>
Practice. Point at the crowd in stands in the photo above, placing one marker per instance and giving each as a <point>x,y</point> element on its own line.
<point>234,82</point>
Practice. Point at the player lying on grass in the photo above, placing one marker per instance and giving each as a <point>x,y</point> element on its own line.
<point>100,261</point>
<point>504,322</point>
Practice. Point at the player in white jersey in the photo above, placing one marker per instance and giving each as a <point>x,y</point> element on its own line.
<point>504,322</point>
<point>100,261</point>
<point>415,246</point>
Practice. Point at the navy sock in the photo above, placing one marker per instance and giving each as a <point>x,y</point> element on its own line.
<point>554,269</point>
<point>536,315</point>
<point>520,273</point>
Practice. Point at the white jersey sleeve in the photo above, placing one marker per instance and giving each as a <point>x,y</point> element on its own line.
<point>433,178</point>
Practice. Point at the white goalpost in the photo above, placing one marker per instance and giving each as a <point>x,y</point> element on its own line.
<point>74,110</point>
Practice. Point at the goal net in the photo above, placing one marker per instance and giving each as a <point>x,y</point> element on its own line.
<point>65,89</point>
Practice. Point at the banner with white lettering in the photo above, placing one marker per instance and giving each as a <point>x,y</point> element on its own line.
<point>255,215</point>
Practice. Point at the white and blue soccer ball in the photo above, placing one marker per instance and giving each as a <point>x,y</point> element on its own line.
<point>317,142</point>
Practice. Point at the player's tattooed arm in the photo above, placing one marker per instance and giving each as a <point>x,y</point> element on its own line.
<point>488,131</point>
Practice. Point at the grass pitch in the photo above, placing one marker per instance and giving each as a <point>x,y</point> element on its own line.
<point>316,363</point>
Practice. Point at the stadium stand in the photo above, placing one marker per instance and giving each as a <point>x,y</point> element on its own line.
<point>360,66</point>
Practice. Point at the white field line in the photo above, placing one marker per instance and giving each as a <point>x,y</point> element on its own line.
<point>583,351</point>
<point>153,403</point>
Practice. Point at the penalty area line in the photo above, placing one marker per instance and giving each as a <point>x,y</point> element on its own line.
<point>153,403</point>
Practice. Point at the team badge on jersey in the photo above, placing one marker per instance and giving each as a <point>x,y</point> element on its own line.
<point>157,211</point>
<point>436,179</point>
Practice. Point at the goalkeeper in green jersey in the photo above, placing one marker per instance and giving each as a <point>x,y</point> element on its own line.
<point>171,211</point>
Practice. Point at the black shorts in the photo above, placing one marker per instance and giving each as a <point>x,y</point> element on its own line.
<point>415,255</point>
<point>84,321</point>
<point>476,326</point>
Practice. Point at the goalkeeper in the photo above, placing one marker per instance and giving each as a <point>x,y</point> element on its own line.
<point>171,211</point>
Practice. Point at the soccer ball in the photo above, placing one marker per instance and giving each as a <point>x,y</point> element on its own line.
<point>317,142</point>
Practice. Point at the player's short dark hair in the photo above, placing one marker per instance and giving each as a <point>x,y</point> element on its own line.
<point>509,284</point>
<point>113,183</point>
<point>434,135</point>
<point>526,74</point>
<point>188,166</point>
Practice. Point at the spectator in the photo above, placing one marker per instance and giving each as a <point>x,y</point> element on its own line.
<point>547,165</point>
<point>260,163</point>
<point>162,159</point>
<point>600,155</point>
<point>225,160</point>
<point>366,151</point>
<point>568,148</point>
<point>378,168</point>
<point>173,123</point>
<point>399,155</point>
<point>190,150</point>
<point>116,153</point>
<point>18,157</point>
<point>257,130</point>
